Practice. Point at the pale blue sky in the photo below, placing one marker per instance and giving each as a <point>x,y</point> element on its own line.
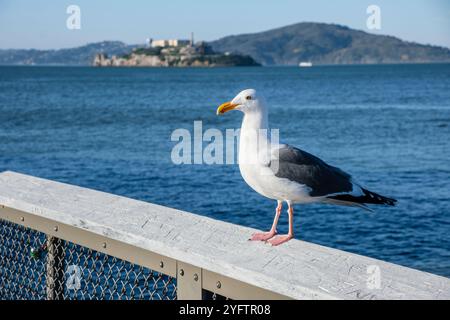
<point>42,24</point>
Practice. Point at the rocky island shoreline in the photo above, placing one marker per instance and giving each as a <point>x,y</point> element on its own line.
<point>174,53</point>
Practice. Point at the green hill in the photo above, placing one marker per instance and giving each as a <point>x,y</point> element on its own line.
<point>323,43</point>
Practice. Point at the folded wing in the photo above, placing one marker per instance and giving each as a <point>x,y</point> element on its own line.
<point>324,180</point>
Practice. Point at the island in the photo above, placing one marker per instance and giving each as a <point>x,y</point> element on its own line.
<point>174,53</point>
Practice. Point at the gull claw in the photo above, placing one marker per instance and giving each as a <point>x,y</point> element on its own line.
<point>279,240</point>
<point>262,236</point>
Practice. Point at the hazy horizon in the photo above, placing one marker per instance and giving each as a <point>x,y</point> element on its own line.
<point>42,25</point>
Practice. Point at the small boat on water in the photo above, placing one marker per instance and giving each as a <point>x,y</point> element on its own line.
<point>305,64</point>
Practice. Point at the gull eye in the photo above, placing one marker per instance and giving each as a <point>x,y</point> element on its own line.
<point>248,97</point>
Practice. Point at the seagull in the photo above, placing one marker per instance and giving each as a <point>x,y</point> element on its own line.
<point>288,174</point>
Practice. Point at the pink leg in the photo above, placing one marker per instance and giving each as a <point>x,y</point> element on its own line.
<point>285,238</point>
<point>264,236</point>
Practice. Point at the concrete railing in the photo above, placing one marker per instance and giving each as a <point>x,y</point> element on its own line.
<point>200,253</point>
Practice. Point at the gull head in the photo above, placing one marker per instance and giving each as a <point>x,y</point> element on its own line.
<point>247,101</point>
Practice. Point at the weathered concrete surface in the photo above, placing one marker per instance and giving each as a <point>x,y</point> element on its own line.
<point>297,269</point>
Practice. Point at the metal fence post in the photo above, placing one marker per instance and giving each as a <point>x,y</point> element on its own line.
<point>55,268</point>
<point>189,282</point>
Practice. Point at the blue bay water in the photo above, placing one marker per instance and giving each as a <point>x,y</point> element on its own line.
<point>109,129</point>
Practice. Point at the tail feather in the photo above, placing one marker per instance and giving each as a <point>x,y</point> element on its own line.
<point>367,197</point>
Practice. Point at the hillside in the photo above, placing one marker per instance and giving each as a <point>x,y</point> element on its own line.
<point>327,44</point>
<point>73,56</point>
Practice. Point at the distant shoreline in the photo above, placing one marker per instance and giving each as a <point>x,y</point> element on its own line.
<point>319,43</point>
<point>226,67</point>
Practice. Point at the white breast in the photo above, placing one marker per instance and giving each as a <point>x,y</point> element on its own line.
<point>255,154</point>
<point>253,165</point>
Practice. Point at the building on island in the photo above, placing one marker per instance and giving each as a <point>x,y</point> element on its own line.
<point>172,53</point>
<point>163,43</point>
<point>170,43</point>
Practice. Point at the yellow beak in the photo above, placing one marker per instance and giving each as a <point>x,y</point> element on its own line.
<point>225,107</point>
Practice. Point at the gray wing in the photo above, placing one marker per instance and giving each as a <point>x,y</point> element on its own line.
<point>302,167</point>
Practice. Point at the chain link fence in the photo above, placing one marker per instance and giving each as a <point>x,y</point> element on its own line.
<point>34,266</point>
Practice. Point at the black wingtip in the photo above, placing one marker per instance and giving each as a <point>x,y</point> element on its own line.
<point>369,197</point>
<point>375,198</point>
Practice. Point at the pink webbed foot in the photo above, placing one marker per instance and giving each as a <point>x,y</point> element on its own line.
<point>280,239</point>
<point>262,236</point>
